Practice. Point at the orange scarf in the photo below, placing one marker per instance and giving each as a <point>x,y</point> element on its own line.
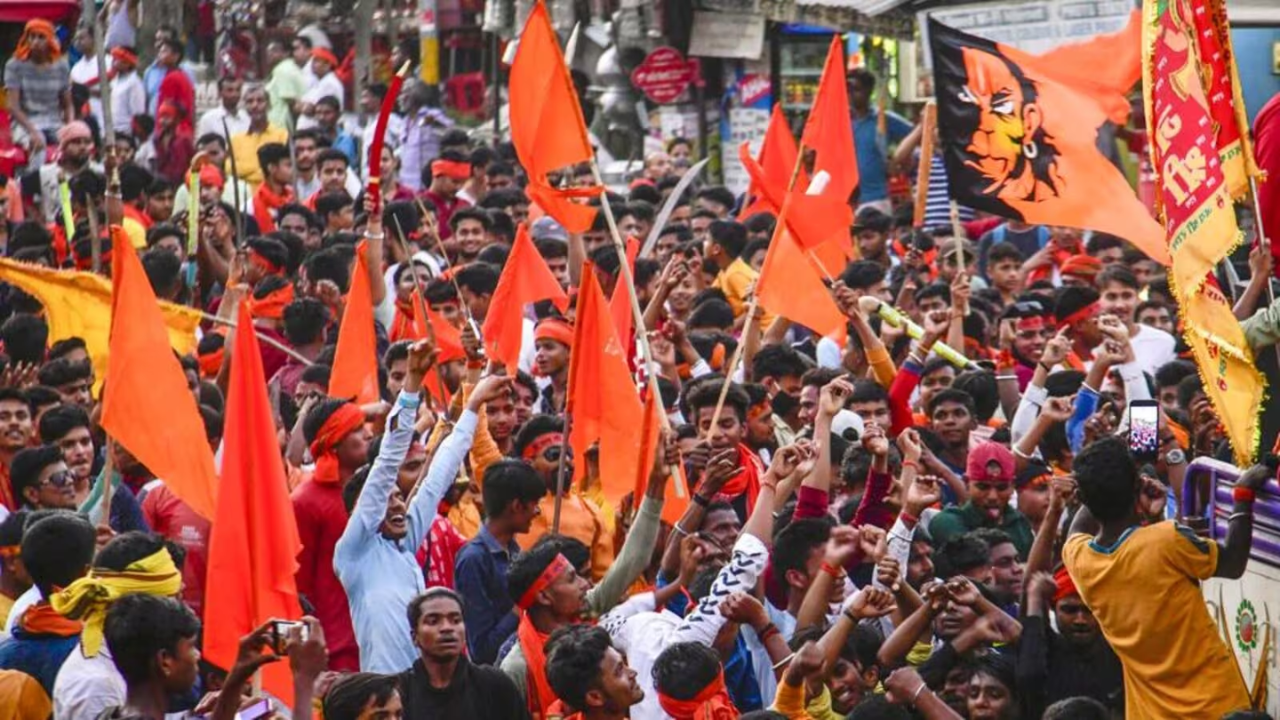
<point>38,27</point>
<point>271,307</point>
<point>403,325</point>
<point>533,644</point>
<point>748,480</point>
<point>265,205</point>
<point>344,421</point>
<point>713,703</point>
<point>1073,361</point>
<point>42,619</point>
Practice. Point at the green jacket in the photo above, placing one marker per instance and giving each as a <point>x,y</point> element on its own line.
<point>956,521</point>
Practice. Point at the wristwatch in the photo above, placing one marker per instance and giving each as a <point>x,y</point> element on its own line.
<point>1175,457</point>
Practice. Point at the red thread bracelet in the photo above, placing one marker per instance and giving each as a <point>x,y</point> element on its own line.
<point>831,570</point>
<point>1242,494</point>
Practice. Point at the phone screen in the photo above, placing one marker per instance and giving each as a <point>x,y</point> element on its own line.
<point>255,711</point>
<point>1144,435</point>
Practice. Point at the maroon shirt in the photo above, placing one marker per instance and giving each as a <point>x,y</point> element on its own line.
<point>322,517</point>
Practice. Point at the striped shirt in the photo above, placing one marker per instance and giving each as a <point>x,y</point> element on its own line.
<point>937,204</point>
<point>42,87</point>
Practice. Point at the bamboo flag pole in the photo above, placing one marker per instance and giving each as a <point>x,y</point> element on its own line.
<point>264,338</point>
<point>422,303</point>
<point>924,169</point>
<point>108,470</point>
<point>751,307</point>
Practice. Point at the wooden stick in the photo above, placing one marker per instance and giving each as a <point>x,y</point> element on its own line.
<point>422,301</point>
<point>751,307</point>
<point>560,470</point>
<point>957,230</point>
<point>104,81</point>
<point>235,187</point>
<point>925,166</point>
<point>108,469</point>
<point>435,234</point>
<point>637,313</point>
<point>95,234</point>
<point>264,338</point>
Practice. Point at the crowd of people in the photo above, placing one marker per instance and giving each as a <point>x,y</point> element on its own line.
<point>869,528</point>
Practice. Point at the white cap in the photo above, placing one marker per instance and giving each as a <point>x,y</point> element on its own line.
<point>846,420</point>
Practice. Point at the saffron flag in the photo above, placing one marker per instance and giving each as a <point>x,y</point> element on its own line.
<point>620,301</point>
<point>1195,202</point>
<point>547,127</point>
<point>525,279</point>
<point>775,164</point>
<point>828,131</point>
<point>790,285</point>
<point>355,359</point>
<point>448,339</point>
<point>146,404</point>
<point>78,304</point>
<point>1018,134</point>
<point>602,399</point>
<point>254,544</point>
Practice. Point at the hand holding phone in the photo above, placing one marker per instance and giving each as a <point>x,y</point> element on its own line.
<point>1144,430</point>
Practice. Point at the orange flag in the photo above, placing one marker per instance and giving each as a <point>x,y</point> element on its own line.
<point>146,404</point>
<point>1019,132</point>
<point>602,399</point>
<point>355,359</point>
<point>448,344</point>
<point>620,301</point>
<point>776,162</point>
<point>792,287</point>
<point>525,279</point>
<point>547,127</point>
<point>254,544</point>
<point>828,132</point>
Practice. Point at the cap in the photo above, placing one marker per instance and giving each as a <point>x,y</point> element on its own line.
<point>845,421</point>
<point>950,246</point>
<point>983,456</point>
<point>546,228</point>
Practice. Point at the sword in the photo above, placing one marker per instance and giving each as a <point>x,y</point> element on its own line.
<point>670,206</point>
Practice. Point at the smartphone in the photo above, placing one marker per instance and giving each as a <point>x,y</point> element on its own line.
<point>1144,433</point>
<point>280,630</point>
<point>262,708</point>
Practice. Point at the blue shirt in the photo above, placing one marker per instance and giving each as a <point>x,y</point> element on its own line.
<point>480,576</point>
<point>40,656</point>
<point>873,152</point>
<point>381,576</point>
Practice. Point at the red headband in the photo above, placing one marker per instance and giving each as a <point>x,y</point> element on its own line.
<point>211,363</point>
<point>548,576</point>
<point>710,704</point>
<point>345,420</point>
<point>1083,313</point>
<point>123,55</point>
<point>451,168</point>
<point>1066,586</point>
<point>1031,323</point>
<point>264,262</point>
<point>535,448</point>
<point>325,55</point>
<point>553,329</point>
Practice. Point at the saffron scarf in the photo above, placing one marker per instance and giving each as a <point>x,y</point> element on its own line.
<point>713,703</point>
<point>533,644</point>
<point>403,326</point>
<point>89,598</point>
<point>42,619</point>
<point>38,27</point>
<point>265,205</point>
<point>747,480</point>
<point>341,423</point>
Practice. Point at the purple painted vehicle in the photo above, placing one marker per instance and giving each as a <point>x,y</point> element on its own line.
<point>1209,514</point>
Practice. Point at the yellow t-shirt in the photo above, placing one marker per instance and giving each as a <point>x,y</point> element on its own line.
<point>736,281</point>
<point>1145,592</point>
<point>244,147</point>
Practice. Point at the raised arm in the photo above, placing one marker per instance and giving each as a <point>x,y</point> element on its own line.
<point>1234,553</point>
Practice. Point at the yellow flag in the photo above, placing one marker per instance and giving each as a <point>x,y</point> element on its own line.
<point>78,304</point>
<point>1187,104</point>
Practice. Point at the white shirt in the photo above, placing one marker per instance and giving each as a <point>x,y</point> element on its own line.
<point>211,122</point>
<point>24,601</point>
<point>329,86</point>
<point>128,98</point>
<point>1153,348</point>
<point>86,686</point>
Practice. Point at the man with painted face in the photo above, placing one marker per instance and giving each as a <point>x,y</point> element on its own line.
<point>990,475</point>
<point>375,557</point>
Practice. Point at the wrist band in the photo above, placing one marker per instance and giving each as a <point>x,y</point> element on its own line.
<point>831,570</point>
<point>909,463</point>
<point>778,665</point>
<point>1047,369</point>
<point>908,518</point>
<point>1243,494</point>
<point>700,500</point>
<point>372,236</point>
<point>1006,378</point>
<point>476,364</point>
<point>769,631</point>
<point>916,696</point>
<point>1240,515</point>
<point>679,530</point>
<point>1018,451</point>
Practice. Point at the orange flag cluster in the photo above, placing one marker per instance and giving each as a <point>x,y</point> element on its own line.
<point>254,543</point>
<point>547,128</point>
<point>525,279</point>
<point>355,359</point>
<point>146,404</point>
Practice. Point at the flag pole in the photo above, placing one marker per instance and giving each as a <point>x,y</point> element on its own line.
<point>637,314</point>
<point>108,469</point>
<point>95,233</point>
<point>1264,242</point>
<point>235,187</point>
<point>924,169</point>
<point>560,469</point>
<point>422,303</point>
<point>755,296</point>
<point>264,338</point>
<point>435,234</point>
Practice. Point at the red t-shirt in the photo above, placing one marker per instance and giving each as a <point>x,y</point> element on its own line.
<point>1266,149</point>
<point>322,517</point>
<point>169,516</point>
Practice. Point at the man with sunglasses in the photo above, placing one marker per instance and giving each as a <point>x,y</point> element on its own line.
<point>41,480</point>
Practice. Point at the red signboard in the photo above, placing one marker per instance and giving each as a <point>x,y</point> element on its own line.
<point>664,75</point>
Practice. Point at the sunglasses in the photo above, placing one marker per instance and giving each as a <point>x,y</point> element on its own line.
<point>59,479</point>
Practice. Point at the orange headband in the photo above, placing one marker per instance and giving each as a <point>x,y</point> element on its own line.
<point>548,576</point>
<point>759,409</point>
<point>535,448</point>
<point>710,704</point>
<point>263,262</point>
<point>123,55</point>
<point>38,27</point>
<point>10,551</point>
<point>211,363</point>
<point>345,420</point>
<point>451,168</point>
<point>272,306</point>
<point>1083,313</point>
<point>325,55</point>
<point>552,329</point>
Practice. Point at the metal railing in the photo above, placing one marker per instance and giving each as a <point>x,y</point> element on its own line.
<point>1206,505</point>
